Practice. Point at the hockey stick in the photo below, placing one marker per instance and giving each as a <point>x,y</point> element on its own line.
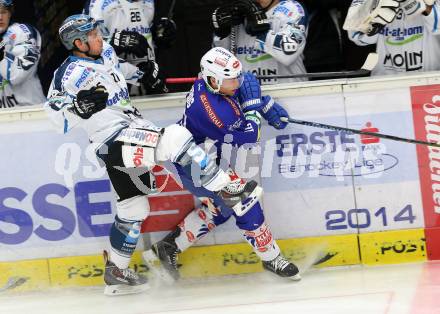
<point>13,282</point>
<point>366,68</point>
<point>171,10</point>
<point>353,131</point>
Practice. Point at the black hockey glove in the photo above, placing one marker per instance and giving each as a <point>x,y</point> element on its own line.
<point>89,102</point>
<point>2,50</point>
<point>256,21</point>
<point>228,15</point>
<point>151,79</point>
<point>131,42</point>
<point>164,32</point>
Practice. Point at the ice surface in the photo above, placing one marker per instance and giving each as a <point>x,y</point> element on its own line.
<point>405,288</point>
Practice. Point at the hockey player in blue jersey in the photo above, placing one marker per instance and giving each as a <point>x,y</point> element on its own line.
<point>225,106</point>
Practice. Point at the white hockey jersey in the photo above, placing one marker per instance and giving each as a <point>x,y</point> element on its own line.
<point>118,15</point>
<point>406,44</point>
<point>77,74</point>
<point>270,54</point>
<point>19,83</point>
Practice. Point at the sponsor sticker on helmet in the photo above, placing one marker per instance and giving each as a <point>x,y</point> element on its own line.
<point>220,61</point>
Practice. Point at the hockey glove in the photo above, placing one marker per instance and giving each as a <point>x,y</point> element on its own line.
<point>250,93</point>
<point>130,42</point>
<point>164,32</point>
<point>2,51</point>
<point>256,21</point>
<point>255,117</point>
<point>151,79</point>
<point>273,112</point>
<point>228,15</point>
<point>383,14</point>
<point>89,102</point>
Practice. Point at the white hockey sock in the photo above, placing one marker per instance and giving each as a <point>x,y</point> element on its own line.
<point>120,261</point>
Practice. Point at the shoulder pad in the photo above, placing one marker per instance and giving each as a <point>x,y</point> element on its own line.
<point>107,51</point>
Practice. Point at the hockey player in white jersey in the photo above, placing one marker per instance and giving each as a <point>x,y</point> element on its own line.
<point>131,32</point>
<point>405,32</point>
<point>19,54</point>
<point>267,36</point>
<point>89,90</point>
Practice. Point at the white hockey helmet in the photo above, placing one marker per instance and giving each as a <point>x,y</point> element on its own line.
<point>221,65</point>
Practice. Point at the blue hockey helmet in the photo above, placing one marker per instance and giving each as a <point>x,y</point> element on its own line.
<point>76,27</point>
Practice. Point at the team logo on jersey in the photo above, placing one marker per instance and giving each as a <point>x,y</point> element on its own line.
<point>400,37</point>
<point>407,61</point>
<point>236,64</point>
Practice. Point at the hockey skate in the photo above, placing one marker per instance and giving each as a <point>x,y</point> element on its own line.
<point>241,195</point>
<point>162,258</point>
<point>122,281</point>
<point>282,267</point>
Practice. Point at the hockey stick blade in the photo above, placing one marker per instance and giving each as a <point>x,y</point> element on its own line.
<point>13,282</point>
<point>354,131</point>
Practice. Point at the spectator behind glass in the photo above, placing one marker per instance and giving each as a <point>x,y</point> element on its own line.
<point>405,32</point>
<point>131,33</point>
<point>267,36</point>
<point>328,47</point>
<point>19,55</point>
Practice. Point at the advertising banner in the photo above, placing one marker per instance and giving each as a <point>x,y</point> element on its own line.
<point>426,113</point>
<point>56,200</point>
<point>303,169</point>
<point>385,172</point>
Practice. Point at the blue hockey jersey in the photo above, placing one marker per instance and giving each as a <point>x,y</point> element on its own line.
<point>217,117</point>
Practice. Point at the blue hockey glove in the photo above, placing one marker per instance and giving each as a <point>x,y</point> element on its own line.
<point>273,112</point>
<point>250,93</point>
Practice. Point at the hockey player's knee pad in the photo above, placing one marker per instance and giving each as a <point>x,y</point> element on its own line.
<point>133,209</point>
<point>253,219</point>
<point>174,143</point>
<point>177,145</point>
<point>124,236</point>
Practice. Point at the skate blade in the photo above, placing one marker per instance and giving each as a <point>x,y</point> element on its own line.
<point>297,277</point>
<point>156,267</point>
<point>114,290</point>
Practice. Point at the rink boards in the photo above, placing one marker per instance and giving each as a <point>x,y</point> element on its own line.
<point>342,198</point>
<point>375,248</point>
